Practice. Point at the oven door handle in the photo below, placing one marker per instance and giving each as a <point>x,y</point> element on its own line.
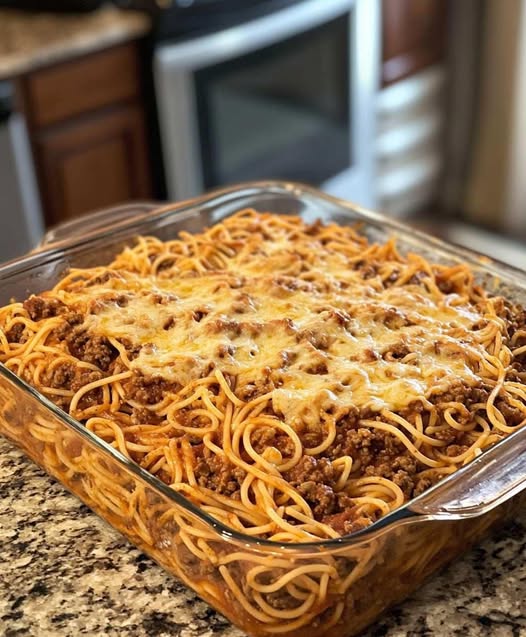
<point>250,36</point>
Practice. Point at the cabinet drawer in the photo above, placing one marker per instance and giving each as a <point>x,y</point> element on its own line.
<point>83,84</point>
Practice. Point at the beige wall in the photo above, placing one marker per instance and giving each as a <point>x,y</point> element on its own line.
<point>494,191</point>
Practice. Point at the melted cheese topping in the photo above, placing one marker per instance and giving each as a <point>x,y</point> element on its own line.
<point>302,323</point>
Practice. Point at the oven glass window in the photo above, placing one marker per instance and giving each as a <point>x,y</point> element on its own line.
<point>280,112</point>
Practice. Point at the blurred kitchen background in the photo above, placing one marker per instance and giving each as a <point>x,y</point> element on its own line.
<point>413,107</point>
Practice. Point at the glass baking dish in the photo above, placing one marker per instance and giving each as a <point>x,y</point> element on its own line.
<point>332,587</point>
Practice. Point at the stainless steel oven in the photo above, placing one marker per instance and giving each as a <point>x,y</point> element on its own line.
<point>287,95</point>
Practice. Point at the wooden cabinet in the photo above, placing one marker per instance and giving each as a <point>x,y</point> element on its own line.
<point>87,126</point>
<point>96,162</point>
<point>413,36</point>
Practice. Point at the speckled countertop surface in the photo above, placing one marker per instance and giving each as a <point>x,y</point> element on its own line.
<point>64,572</point>
<point>29,40</point>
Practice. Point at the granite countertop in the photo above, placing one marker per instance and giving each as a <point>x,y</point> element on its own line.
<point>65,573</point>
<point>30,40</point>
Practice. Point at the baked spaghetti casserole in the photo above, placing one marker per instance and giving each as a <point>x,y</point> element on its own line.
<point>295,381</point>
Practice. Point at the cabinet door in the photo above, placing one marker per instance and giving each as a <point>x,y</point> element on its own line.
<point>97,161</point>
<point>414,33</point>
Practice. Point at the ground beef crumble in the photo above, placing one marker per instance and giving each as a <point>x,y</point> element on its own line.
<point>67,375</point>
<point>315,480</point>
<point>264,437</point>
<point>459,392</point>
<point>147,390</point>
<point>91,348</point>
<point>218,474</point>
<point>347,521</point>
<point>16,334</point>
<point>41,307</point>
<point>319,470</point>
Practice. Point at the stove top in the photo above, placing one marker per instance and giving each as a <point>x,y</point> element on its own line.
<point>179,19</point>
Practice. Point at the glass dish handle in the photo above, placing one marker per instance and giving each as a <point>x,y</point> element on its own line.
<point>104,219</point>
<point>488,481</point>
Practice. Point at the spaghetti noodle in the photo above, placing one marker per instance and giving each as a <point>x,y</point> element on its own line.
<point>294,381</point>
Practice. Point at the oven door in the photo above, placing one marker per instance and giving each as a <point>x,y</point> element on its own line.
<point>288,96</point>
